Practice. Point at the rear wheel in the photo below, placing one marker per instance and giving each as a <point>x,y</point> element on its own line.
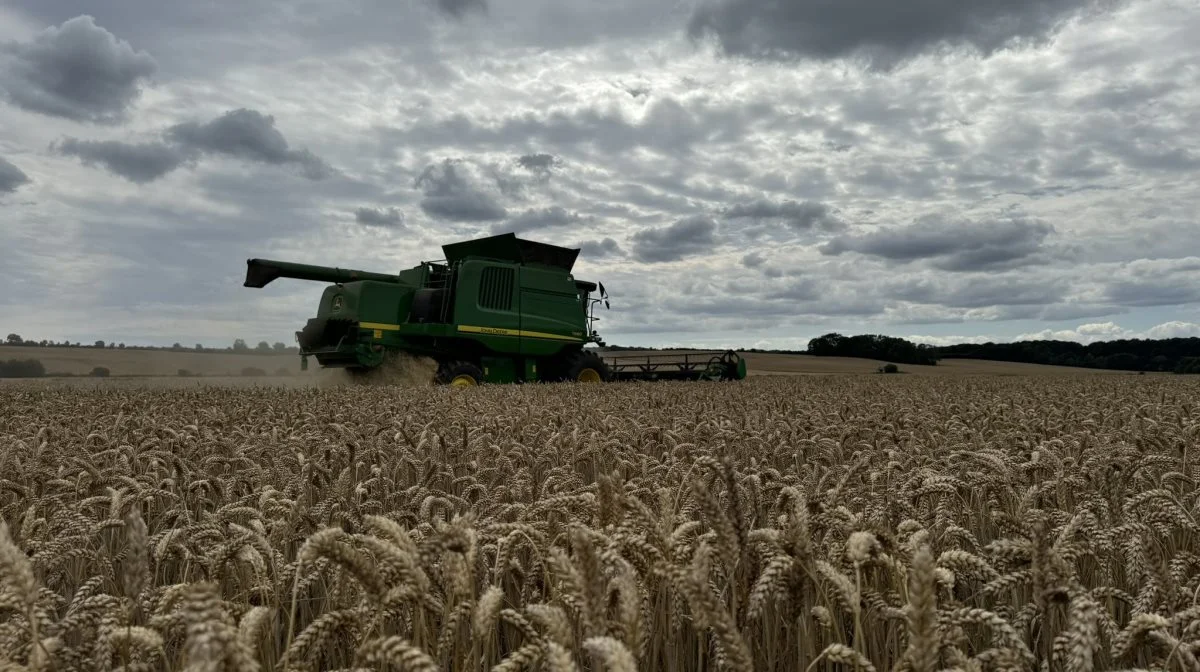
<point>587,367</point>
<point>460,374</point>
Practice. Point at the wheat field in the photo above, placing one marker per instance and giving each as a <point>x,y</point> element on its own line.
<point>793,523</point>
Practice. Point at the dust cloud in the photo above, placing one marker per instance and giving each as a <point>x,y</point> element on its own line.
<point>400,369</point>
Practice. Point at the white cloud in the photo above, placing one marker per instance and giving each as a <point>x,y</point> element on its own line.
<point>949,340</point>
<point>1110,331</point>
<point>1174,329</point>
<point>454,124</point>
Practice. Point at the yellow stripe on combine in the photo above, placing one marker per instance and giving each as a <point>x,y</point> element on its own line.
<point>495,331</point>
<point>487,331</point>
<point>379,325</point>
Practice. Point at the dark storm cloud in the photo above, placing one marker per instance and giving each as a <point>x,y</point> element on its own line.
<point>459,8</point>
<point>1156,283</point>
<point>880,32</point>
<point>246,134</point>
<point>539,218</point>
<point>686,237</point>
<point>537,161</point>
<point>753,260</point>
<point>11,177</point>
<point>952,245</point>
<point>77,71</point>
<point>800,216</point>
<point>389,218</point>
<point>140,163</point>
<point>978,292</point>
<point>453,193</point>
<point>599,249</point>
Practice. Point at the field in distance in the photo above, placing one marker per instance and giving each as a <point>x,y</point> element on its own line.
<point>129,362</point>
<point>168,363</point>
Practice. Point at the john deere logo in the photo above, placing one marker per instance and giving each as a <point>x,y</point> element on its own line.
<point>337,303</point>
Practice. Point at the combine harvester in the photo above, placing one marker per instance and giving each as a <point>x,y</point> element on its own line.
<point>499,309</point>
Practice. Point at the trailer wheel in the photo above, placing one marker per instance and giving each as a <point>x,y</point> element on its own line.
<point>460,374</point>
<point>587,367</point>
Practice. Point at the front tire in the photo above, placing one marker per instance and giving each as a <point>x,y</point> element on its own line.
<point>587,367</point>
<point>460,374</point>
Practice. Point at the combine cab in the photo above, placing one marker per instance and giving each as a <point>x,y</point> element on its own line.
<point>499,309</point>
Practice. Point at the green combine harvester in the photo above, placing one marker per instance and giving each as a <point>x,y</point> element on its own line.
<point>499,309</point>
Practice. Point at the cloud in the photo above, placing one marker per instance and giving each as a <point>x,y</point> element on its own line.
<point>800,216</point>
<point>537,161</point>
<point>389,218</point>
<point>1092,332</point>
<point>686,237</point>
<point>454,191</point>
<point>1086,333</point>
<point>246,134</point>
<point>1154,282</point>
<point>878,32</point>
<point>1174,329</point>
<point>978,291</point>
<point>77,71</point>
<point>459,8</point>
<point>961,245</point>
<point>599,249</point>
<point>753,260</point>
<point>553,109</point>
<point>140,163</point>
<point>11,177</point>
<point>539,218</point>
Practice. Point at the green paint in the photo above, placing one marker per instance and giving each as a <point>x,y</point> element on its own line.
<point>502,303</point>
<point>499,369</point>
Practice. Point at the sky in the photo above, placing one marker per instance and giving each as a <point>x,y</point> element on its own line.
<point>738,173</point>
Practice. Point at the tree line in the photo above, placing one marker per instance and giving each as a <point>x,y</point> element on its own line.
<point>239,346</point>
<point>1180,355</point>
<point>874,346</point>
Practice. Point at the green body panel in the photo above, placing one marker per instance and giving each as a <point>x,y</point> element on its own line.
<point>499,369</point>
<point>502,303</point>
<point>550,304</point>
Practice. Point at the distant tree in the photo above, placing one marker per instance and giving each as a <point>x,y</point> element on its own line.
<point>239,345</point>
<point>98,344</point>
<point>1188,365</point>
<point>871,346</point>
<point>279,347</point>
<point>14,339</point>
<point>22,368</point>
<point>199,347</point>
<point>121,346</point>
<point>176,347</point>
<point>263,346</point>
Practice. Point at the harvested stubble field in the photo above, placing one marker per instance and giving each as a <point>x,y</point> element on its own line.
<point>792,523</point>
